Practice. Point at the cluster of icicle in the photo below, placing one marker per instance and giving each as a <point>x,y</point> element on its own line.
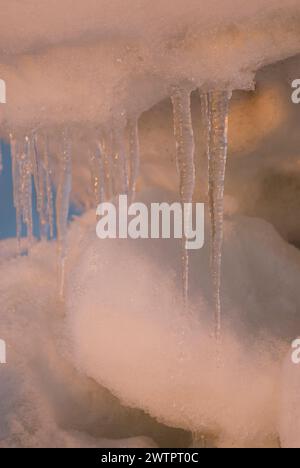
<point>31,162</point>
<point>214,106</point>
<point>114,170</point>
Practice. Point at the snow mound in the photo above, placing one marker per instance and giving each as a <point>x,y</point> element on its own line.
<point>124,329</point>
<point>44,402</point>
<point>289,410</point>
<point>130,334</point>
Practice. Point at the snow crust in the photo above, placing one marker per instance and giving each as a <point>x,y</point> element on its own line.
<point>98,61</point>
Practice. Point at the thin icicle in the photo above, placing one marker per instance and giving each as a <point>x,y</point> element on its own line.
<point>16,177</point>
<point>62,207</point>
<point>217,111</point>
<point>206,123</point>
<point>49,195</point>
<point>198,440</point>
<point>97,174</point>
<point>184,137</point>
<point>105,148</point>
<point>134,155</point>
<point>120,162</point>
<point>39,182</point>
<point>26,190</point>
<point>35,172</point>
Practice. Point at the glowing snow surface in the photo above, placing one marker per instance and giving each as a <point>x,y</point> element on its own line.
<point>112,58</point>
<point>123,320</point>
<point>129,324</point>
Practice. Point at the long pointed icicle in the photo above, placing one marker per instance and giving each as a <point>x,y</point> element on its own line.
<point>49,195</point>
<point>217,108</point>
<point>184,137</point>
<point>97,174</point>
<point>39,182</point>
<point>134,155</point>
<point>105,148</point>
<point>26,190</point>
<point>16,177</point>
<point>62,207</point>
<point>120,162</point>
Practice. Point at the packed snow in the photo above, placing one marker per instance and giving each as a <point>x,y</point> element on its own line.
<point>123,319</point>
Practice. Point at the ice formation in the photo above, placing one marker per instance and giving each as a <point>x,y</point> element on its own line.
<point>62,205</point>
<point>78,92</point>
<point>200,45</point>
<point>217,103</point>
<point>134,155</point>
<point>184,137</point>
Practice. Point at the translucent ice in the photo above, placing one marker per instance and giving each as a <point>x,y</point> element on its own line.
<point>217,123</point>
<point>184,137</point>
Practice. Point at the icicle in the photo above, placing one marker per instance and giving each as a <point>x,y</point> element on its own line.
<point>62,207</point>
<point>16,176</point>
<point>134,155</point>
<point>184,137</point>
<point>39,182</point>
<point>97,173</point>
<point>35,172</point>
<point>206,123</point>
<point>199,440</point>
<point>120,162</point>
<point>26,190</point>
<point>216,106</point>
<point>49,196</point>
<point>105,148</point>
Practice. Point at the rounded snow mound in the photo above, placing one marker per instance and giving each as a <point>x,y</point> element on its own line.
<point>130,333</point>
